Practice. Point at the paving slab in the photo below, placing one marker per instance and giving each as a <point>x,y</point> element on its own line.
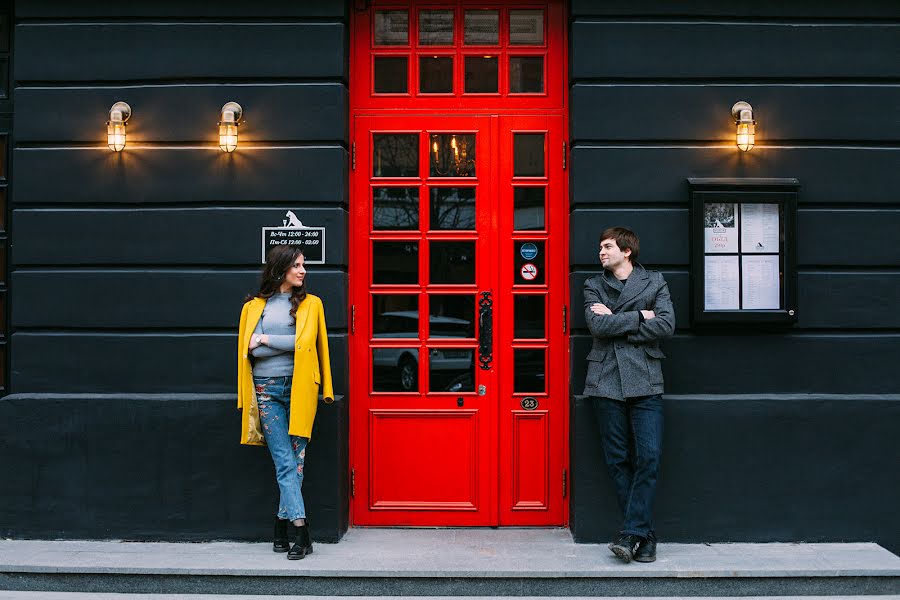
<point>479,553</point>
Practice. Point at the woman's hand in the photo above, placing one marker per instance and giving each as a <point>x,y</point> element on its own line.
<point>257,340</point>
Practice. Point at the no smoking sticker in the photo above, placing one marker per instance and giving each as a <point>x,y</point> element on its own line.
<point>529,272</point>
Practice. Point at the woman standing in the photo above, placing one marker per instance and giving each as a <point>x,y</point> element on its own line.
<point>282,361</point>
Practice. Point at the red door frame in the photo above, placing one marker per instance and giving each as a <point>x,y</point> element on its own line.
<point>550,104</point>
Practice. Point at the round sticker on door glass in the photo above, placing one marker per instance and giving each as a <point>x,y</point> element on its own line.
<point>529,272</point>
<point>528,251</point>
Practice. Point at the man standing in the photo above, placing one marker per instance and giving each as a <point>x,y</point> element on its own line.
<point>628,310</point>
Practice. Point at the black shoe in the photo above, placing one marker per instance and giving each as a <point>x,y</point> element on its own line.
<point>646,551</point>
<point>624,545</point>
<point>307,539</point>
<point>302,544</point>
<point>280,542</point>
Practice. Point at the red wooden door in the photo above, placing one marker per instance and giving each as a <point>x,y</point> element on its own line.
<point>455,423</point>
<point>423,437</point>
<point>458,204</point>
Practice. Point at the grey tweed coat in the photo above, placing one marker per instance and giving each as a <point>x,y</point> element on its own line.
<point>625,360</point>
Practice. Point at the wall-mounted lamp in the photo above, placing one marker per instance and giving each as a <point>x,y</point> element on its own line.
<point>746,126</point>
<point>228,126</point>
<point>115,127</point>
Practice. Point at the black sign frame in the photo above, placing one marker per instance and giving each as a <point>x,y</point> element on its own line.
<point>741,192</point>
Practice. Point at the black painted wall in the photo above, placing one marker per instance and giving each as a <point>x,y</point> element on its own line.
<point>129,269</point>
<point>652,87</point>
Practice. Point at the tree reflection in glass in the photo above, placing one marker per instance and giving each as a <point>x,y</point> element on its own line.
<point>395,208</point>
<point>452,208</point>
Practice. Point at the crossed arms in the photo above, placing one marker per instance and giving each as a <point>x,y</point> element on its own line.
<point>658,323</point>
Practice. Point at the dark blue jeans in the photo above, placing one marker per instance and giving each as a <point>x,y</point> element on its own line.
<point>631,434</point>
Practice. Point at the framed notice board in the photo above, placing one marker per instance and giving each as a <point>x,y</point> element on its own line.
<point>744,250</point>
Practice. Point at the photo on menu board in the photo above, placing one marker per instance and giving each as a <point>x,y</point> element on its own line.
<point>720,227</point>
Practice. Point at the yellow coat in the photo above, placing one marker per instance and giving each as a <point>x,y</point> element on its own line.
<point>312,367</point>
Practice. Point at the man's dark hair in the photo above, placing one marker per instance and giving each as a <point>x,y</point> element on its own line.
<point>625,239</point>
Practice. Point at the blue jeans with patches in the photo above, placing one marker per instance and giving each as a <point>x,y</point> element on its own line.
<point>631,434</point>
<point>273,396</point>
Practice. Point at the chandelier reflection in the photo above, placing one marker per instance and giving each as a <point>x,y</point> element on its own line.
<point>452,155</point>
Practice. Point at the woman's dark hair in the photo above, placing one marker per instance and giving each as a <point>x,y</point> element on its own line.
<point>278,261</point>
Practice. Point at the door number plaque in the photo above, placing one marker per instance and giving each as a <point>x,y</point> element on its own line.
<point>529,403</point>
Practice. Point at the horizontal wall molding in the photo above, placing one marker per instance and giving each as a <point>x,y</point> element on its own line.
<point>147,51</point>
<point>849,300</point>
<point>183,113</point>
<point>138,363</point>
<point>785,363</point>
<point>603,49</point>
<point>315,174</point>
<point>61,9</point>
<point>159,237</point>
<point>154,298</point>
<point>703,112</point>
<point>665,235</point>
<point>760,8</point>
<point>659,174</point>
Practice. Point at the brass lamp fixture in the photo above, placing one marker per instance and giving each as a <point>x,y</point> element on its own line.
<point>745,136</point>
<point>115,127</point>
<point>228,126</point>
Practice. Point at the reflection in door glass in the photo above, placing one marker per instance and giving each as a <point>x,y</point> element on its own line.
<point>395,316</point>
<point>452,208</point>
<point>395,369</point>
<point>528,316</point>
<point>452,155</point>
<point>451,316</point>
<point>436,75</point>
<point>526,74</point>
<point>451,370</point>
<point>436,27</point>
<point>528,154</point>
<point>395,262</point>
<point>528,209</point>
<point>481,75</point>
<point>529,370</point>
<point>482,28</point>
<point>526,27</point>
<point>395,208</point>
<point>391,27</point>
<point>395,155</point>
<point>452,262</point>
<point>390,75</point>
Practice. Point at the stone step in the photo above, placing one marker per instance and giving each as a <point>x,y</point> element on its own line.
<point>89,596</point>
<point>448,562</point>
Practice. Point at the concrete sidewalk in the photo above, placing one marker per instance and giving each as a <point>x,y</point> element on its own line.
<point>446,562</point>
<point>448,552</point>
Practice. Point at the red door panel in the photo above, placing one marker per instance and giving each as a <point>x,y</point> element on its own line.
<point>458,199</point>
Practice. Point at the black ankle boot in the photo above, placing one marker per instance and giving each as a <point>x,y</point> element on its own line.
<point>280,542</point>
<point>301,543</point>
<point>307,540</point>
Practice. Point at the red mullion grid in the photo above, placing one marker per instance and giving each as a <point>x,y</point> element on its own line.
<point>451,50</point>
<point>376,51</point>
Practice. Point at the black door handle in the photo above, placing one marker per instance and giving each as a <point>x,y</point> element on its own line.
<point>485,331</point>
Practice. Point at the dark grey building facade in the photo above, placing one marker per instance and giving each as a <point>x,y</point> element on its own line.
<point>125,272</point>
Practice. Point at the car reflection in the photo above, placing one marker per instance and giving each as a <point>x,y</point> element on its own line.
<point>397,369</point>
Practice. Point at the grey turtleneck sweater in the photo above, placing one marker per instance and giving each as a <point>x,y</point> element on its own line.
<point>277,358</point>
